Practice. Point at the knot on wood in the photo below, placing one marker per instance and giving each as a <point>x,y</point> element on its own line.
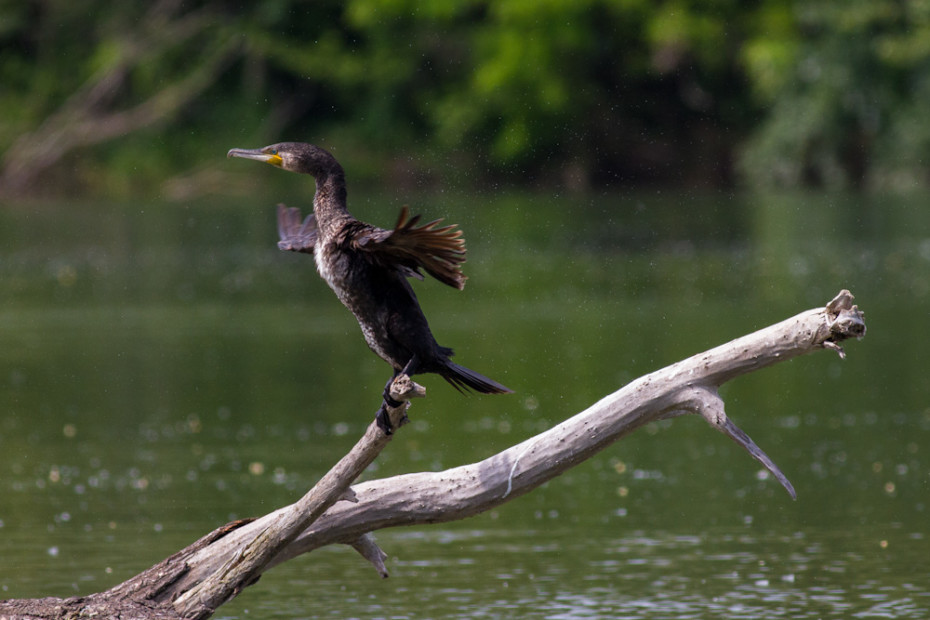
<point>403,388</point>
<point>844,320</point>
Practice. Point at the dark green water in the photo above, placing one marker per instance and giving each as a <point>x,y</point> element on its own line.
<point>164,369</point>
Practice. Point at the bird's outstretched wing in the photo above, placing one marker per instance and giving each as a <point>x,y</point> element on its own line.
<point>440,250</point>
<point>296,235</point>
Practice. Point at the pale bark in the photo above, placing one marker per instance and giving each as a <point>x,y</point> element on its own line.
<point>198,579</point>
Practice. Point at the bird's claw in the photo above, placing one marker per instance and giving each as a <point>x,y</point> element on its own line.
<point>383,418</point>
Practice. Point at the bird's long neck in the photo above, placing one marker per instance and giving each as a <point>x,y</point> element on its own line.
<point>329,202</point>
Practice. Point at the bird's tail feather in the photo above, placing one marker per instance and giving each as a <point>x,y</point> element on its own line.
<point>464,379</point>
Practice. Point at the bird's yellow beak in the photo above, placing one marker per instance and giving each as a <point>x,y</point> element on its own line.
<point>269,156</point>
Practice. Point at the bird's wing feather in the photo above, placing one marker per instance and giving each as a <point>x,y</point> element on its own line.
<point>296,235</point>
<point>440,250</point>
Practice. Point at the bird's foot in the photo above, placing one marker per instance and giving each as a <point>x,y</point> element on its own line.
<point>383,418</point>
<point>404,389</point>
<point>386,394</point>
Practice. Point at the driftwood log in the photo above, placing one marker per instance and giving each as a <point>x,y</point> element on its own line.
<point>195,581</point>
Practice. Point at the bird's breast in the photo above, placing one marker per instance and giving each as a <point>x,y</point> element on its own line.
<point>358,285</point>
<point>335,269</point>
<point>352,278</point>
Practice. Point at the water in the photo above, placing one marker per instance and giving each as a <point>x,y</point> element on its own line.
<point>164,370</point>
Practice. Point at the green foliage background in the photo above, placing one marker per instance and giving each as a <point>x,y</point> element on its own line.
<point>574,93</point>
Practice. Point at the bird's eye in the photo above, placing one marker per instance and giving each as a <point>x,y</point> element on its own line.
<point>274,151</point>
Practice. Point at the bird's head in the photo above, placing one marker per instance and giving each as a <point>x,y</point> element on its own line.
<point>293,156</point>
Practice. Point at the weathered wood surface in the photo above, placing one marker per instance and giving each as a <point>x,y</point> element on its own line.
<point>196,580</point>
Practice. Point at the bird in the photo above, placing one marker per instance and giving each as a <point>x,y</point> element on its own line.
<point>368,269</point>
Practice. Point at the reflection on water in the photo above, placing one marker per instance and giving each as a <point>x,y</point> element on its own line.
<point>560,572</point>
<point>165,370</point>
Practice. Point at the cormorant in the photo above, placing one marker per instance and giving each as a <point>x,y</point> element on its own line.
<point>367,267</point>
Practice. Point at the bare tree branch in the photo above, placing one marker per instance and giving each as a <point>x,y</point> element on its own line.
<point>245,566</point>
<point>194,581</point>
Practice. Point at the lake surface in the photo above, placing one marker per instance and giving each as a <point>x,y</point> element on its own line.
<point>164,369</point>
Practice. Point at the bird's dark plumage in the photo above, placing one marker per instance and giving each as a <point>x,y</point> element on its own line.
<point>367,267</point>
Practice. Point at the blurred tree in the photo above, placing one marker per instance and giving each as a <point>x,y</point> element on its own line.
<point>139,73</point>
<point>846,84</point>
<point>571,92</point>
<point>602,91</point>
